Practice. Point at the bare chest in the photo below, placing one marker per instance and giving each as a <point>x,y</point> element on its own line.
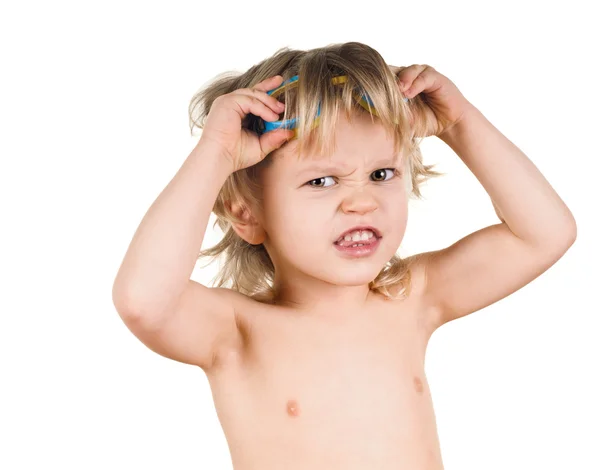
<point>325,389</point>
<point>360,371</point>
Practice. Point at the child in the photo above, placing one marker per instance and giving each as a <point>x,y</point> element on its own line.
<point>315,347</point>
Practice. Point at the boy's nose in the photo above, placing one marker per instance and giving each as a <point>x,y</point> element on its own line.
<point>362,202</point>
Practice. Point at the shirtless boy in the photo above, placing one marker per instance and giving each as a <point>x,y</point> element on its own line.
<point>315,350</point>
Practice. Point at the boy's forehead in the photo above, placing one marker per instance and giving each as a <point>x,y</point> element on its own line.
<point>341,158</point>
<point>354,142</point>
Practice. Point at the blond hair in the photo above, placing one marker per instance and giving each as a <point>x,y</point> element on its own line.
<point>248,268</point>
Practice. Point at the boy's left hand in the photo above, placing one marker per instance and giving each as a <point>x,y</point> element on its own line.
<point>444,106</point>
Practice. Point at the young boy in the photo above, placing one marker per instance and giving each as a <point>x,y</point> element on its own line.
<point>315,354</point>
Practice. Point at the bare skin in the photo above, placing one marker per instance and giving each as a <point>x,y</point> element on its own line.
<point>331,375</point>
<point>322,391</point>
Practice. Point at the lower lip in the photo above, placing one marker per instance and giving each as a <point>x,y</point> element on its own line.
<point>359,251</point>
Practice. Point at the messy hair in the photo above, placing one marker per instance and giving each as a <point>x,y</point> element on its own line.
<point>248,268</point>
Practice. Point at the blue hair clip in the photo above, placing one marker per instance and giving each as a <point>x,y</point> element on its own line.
<point>363,100</point>
<point>288,123</point>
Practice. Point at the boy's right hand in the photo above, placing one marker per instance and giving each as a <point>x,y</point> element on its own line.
<point>223,126</point>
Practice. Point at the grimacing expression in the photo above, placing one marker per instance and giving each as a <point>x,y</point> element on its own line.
<point>308,202</point>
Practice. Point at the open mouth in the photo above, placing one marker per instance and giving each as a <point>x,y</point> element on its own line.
<point>358,235</point>
<point>357,243</point>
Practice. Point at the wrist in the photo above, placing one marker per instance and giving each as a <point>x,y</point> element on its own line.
<point>212,156</point>
<point>454,132</point>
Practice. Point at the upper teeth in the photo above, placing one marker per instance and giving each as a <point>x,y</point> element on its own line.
<point>359,235</point>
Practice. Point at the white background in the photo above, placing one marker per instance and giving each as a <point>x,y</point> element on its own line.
<point>93,114</point>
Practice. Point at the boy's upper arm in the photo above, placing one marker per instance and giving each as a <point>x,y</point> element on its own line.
<point>199,329</point>
<point>480,269</point>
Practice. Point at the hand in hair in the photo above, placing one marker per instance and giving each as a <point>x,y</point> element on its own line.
<point>223,128</point>
<point>444,104</point>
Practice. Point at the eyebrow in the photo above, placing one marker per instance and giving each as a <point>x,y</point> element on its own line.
<point>327,169</point>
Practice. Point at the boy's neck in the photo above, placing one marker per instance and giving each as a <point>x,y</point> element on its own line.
<point>321,298</point>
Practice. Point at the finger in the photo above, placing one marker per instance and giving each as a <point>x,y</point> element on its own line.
<point>251,104</point>
<point>422,82</point>
<point>269,83</point>
<point>396,69</point>
<point>272,140</point>
<point>408,74</point>
<point>275,105</point>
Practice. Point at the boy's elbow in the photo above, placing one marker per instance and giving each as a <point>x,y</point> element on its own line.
<point>124,303</point>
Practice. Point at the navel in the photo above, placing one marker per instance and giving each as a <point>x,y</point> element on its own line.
<point>418,383</point>
<point>292,408</point>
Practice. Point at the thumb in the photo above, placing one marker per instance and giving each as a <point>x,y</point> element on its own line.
<point>272,140</point>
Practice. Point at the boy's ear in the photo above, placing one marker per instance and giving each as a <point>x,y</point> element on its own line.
<point>250,229</point>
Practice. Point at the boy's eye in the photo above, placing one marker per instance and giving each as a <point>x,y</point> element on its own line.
<point>378,175</point>
<point>319,182</point>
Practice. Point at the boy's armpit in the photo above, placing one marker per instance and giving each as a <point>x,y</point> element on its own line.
<point>419,293</point>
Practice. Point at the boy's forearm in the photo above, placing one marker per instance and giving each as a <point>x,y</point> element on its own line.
<point>521,196</point>
<point>164,249</point>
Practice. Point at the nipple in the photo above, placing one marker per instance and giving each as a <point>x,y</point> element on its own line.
<point>292,408</point>
<point>418,384</point>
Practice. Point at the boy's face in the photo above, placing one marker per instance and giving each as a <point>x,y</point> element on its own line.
<point>308,203</point>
